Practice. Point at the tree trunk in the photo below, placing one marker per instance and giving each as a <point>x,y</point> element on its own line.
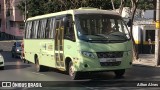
<point>121,7</point>
<point>112,1</point>
<point>134,7</point>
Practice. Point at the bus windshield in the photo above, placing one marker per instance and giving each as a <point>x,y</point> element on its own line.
<point>101,27</point>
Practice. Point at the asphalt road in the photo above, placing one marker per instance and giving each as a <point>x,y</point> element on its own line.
<point>16,70</point>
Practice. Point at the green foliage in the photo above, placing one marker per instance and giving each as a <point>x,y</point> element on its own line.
<point>39,7</point>
<point>145,4</point>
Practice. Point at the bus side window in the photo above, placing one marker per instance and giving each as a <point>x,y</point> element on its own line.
<point>47,28</point>
<point>69,29</point>
<point>28,30</point>
<point>52,28</point>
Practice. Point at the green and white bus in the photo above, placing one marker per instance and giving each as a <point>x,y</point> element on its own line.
<point>77,41</point>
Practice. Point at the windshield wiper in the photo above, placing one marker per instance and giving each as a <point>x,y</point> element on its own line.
<point>123,37</point>
<point>101,35</point>
<point>119,34</point>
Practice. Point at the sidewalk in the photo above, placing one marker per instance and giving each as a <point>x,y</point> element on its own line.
<point>145,60</point>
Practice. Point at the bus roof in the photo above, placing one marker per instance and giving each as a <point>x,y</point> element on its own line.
<point>75,11</point>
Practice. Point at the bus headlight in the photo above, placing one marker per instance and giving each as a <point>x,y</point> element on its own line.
<point>18,50</point>
<point>88,54</point>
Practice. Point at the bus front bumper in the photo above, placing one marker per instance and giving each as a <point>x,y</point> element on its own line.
<point>96,65</point>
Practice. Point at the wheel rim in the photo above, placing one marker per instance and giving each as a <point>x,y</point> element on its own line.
<point>71,70</point>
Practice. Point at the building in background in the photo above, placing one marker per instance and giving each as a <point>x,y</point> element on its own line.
<point>11,20</point>
<point>143,29</point>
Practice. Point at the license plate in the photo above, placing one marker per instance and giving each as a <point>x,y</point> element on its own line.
<point>111,60</point>
<point>108,60</point>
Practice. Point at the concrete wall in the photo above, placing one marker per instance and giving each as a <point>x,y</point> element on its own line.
<point>6,45</point>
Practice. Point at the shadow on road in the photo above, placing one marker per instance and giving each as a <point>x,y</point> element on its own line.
<point>93,76</point>
<point>143,65</point>
<point>12,63</point>
<point>8,57</point>
<point>10,67</point>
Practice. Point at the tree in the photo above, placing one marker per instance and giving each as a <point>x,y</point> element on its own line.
<point>121,6</point>
<point>34,7</point>
<point>134,7</point>
<point>39,7</point>
<point>113,4</point>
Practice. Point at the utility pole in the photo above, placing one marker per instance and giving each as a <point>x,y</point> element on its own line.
<point>157,34</point>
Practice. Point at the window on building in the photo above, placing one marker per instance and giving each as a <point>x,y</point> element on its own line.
<point>21,25</point>
<point>10,12</point>
<point>7,1</point>
<point>12,23</point>
<point>150,34</point>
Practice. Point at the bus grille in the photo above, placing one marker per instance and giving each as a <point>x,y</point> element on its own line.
<point>110,54</point>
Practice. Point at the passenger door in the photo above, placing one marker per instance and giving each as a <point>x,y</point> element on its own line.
<point>59,43</point>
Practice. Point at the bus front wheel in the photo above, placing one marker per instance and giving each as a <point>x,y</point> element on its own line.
<point>73,74</point>
<point>119,73</point>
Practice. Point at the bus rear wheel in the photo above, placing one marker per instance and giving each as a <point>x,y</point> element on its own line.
<point>72,73</point>
<point>40,68</point>
<point>37,65</point>
<point>119,73</point>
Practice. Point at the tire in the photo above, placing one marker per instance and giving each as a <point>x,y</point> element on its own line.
<point>73,74</point>
<point>40,68</point>
<point>2,68</point>
<point>119,73</point>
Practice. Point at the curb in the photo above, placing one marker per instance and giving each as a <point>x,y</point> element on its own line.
<point>144,64</point>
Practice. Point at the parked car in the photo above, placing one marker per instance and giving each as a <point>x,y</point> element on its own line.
<point>16,49</point>
<point>1,61</point>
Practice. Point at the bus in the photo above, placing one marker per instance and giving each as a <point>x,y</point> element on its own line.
<point>78,41</point>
